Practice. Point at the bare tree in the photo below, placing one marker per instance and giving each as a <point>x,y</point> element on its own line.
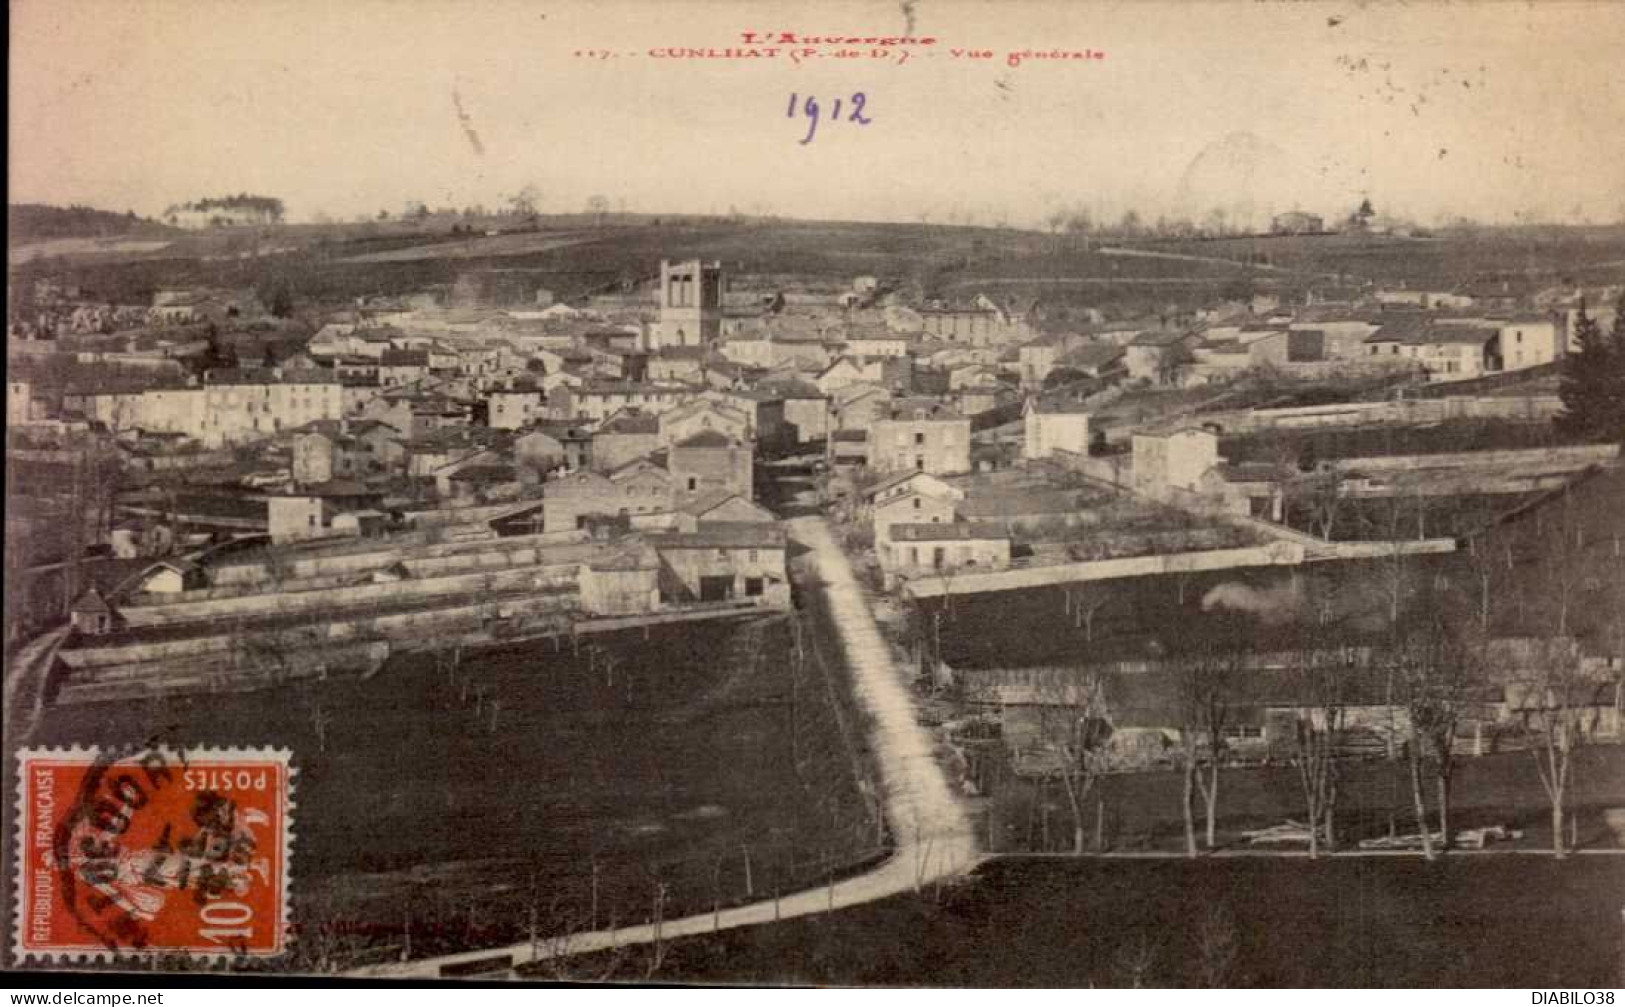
<point>1207,681</point>
<point>1431,664</point>
<point>1083,603</point>
<point>1073,735</point>
<point>1320,494</point>
<point>1488,568</point>
<point>1566,555</point>
<point>1319,675</point>
<point>1553,696</point>
<point>526,202</point>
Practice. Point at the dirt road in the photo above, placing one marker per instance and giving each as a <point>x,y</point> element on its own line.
<point>934,838</point>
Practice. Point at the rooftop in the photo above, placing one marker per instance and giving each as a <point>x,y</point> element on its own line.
<point>961,532</point>
<point>724,535</point>
<point>706,439</point>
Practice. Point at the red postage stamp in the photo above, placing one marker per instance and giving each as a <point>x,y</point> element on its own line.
<point>157,851</point>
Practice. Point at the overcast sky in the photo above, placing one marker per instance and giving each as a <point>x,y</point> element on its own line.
<point>1492,110</point>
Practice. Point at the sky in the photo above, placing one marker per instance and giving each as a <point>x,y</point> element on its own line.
<point>1495,111</point>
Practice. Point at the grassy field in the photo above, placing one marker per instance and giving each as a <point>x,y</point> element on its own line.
<point>1385,440</point>
<point>453,806</point>
<point>1502,921</point>
<point>1140,617</point>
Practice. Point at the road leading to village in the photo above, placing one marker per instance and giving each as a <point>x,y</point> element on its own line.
<point>933,837</point>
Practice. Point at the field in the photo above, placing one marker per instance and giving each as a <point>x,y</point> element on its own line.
<point>1305,447</point>
<point>444,805</point>
<point>330,265</point>
<point>1139,617</point>
<point>1585,254</point>
<point>1465,922</point>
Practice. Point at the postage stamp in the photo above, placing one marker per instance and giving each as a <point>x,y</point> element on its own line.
<point>157,850</point>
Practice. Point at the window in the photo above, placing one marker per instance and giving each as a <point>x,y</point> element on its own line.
<point>722,554</point>
<point>919,438</point>
<point>916,503</point>
<point>693,483</point>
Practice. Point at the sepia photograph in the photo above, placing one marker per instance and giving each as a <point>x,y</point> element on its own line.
<point>927,495</point>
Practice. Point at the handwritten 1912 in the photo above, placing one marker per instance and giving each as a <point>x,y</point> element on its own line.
<point>810,108</point>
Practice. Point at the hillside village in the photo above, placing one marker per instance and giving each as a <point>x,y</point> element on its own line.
<point>512,463</point>
<point>217,500</point>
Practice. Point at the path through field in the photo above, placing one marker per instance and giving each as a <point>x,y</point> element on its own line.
<point>933,837</point>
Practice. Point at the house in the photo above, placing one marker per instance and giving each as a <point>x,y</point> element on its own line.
<point>514,408</point>
<point>806,409</point>
<point>1528,341</point>
<point>575,443</point>
<point>375,447</point>
<point>1053,424</point>
<point>902,483</point>
<point>91,613</point>
<point>169,576</point>
<point>312,457</point>
<point>842,372</point>
<point>982,324</point>
<point>875,345</point>
<point>848,448</point>
<point>1247,489</point>
<point>629,434</point>
<point>677,363</point>
<point>1446,351</point>
<point>711,460</point>
<point>599,400</point>
<point>763,407</point>
<point>700,415</point>
<point>481,482</point>
<point>724,561</point>
<point>570,499</point>
<point>310,513</point>
<point>1155,355</point>
<point>914,550</point>
<point>858,406</point>
<point>921,435</point>
<point>19,402</point>
<point>1173,459</point>
<point>625,581</point>
<point>975,401</point>
<point>402,367</point>
<point>725,505</point>
<point>910,507</point>
<point>1430,299</point>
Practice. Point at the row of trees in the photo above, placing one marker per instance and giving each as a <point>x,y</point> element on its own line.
<point>1433,671</point>
<point>1425,648</point>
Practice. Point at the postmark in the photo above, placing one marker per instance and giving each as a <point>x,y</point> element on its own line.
<point>158,850</point>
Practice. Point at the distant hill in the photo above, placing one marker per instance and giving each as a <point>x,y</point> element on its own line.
<point>27,222</point>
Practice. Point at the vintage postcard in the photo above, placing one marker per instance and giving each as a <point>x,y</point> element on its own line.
<point>909,494</point>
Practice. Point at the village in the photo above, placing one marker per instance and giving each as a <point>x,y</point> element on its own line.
<point>1325,472</point>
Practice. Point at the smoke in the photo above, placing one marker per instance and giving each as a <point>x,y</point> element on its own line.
<point>1274,605</point>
